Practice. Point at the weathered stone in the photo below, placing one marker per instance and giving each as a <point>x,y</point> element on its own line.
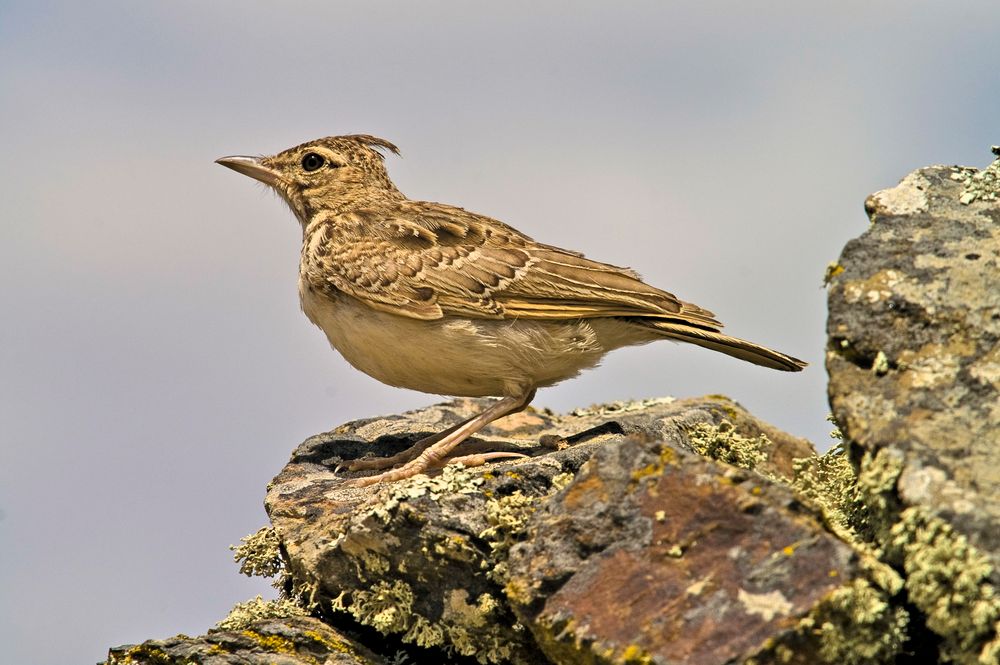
<point>425,559</point>
<point>288,641</point>
<point>914,363</point>
<point>653,554</point>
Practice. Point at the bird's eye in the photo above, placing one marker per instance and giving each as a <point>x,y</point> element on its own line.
<point>312,161</point>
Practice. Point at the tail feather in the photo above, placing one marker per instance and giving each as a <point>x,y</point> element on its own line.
<point>731,346</point>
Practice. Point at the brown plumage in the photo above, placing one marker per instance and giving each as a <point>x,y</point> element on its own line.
<point>431,297</point>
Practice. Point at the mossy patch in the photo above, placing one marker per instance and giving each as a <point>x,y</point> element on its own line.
<point>857,625</point>
<point>464,628</point>
<point>723,443</point>
<point>948,580</point>
<point>829,483</point>
<point>259,555</point>
<point>388,608</point>
<point>256,609</point>
<point>507,517</point>
<point>453,479</point>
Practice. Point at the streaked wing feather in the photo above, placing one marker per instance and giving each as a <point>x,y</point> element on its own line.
<point>427,260</point>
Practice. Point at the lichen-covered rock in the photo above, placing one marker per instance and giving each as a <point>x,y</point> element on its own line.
<point>425,559</point>
<point>653,554</point>
<point>914,363</point>
<point>288,641</point>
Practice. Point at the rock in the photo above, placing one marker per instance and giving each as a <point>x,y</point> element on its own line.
<point>653,554</point>
<point>287,641</point>
<point>914,364</point>
<point>439,562</point>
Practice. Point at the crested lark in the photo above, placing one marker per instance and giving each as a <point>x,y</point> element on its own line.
<point>433,298</point>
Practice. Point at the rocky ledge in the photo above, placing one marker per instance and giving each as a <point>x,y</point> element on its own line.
<point>679,531</point>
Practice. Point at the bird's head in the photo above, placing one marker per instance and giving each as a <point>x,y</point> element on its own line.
<point>333,173</point>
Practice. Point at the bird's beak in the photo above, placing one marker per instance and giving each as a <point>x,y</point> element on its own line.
<point>251,166</point>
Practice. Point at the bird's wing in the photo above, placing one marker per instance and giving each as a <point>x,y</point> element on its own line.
<point>427,260</point>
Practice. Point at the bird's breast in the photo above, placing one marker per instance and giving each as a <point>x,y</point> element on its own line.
<point>458,356</point>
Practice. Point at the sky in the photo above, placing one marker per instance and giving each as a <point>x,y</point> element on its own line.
<point>156,369</point>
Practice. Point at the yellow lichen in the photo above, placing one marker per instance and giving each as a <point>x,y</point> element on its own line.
<point>832,270</point>
<point>142,654</point>
<point>655,469</point>
<point>272,643</point>
<point>633,654</point>
<point>330,645</point>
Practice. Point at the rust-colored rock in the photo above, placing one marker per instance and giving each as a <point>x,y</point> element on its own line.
<point>654,553</point>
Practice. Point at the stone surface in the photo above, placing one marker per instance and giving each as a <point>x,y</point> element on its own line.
<point>655,553</point>
<point>914,346</point>
<point>652,552</point>
<point>289,641</point>
<point>914,364</point>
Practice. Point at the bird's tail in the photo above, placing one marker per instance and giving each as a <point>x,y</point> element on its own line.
<point>731,346</point>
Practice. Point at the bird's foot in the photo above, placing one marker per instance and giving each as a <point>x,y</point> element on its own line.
<point>419,466</point>
<point>434,451</point>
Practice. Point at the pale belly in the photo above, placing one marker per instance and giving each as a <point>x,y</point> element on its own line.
<point>470,358</point>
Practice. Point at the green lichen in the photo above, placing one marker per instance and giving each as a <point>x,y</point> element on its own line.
<point>947,579</point>
<point>829,484</point>
<point>507,517</point>
<point>388,608</point>
<point>244,614</point>
<point>464,628</point>
<point>880,366</point>
<point>877,493</point>
<point>453,479</point>
<point>723,443</point>
<point>456,547</point>
<point>857,625</point>
<point>979,185</point>
<point>836,433</point>
<point>259,555</point>
<point>423,633</point>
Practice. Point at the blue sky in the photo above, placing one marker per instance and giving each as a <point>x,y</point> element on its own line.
<point>157,369</point>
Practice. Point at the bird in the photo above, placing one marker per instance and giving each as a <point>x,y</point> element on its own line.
<point>434,298</point>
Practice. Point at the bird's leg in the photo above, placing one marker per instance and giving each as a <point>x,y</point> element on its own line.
<point>434,455</point>
<point>403,456</point>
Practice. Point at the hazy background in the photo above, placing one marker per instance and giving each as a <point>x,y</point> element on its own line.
<point>156,370</point>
